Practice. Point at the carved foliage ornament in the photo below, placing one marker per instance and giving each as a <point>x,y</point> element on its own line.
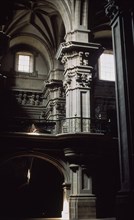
<point>84,58</point>
<point>84,80</point>
<point>111,9</point>
<point>80,79</point>
<point>115,7</point>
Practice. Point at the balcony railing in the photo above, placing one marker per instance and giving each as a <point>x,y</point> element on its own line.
<point>19,124</point>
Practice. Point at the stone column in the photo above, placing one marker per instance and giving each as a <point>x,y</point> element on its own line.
<point>79,60</point>
<point>54,103</point>
<point>66,193</point>
<point>121,14</point>
<point>79,18</point>
<point>54,97</point>
<point>82,201</point>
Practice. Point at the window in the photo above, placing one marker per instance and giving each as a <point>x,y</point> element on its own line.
<point>24,62</point>
<point>106,67</point>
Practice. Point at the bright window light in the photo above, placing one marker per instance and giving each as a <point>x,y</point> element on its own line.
<point>106,67</point>
<point>24,62</point>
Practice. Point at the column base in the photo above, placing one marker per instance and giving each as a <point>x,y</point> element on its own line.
<point>125,206</point>
<point>82,207</point>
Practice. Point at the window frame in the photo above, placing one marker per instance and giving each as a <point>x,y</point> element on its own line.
<point>32,72</point>
<point>99,73</point>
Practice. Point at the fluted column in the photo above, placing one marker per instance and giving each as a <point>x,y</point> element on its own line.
<point>121,14</point>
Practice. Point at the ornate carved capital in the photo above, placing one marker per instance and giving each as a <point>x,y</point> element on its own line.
<point>73,54</point>
<point>112,10</point>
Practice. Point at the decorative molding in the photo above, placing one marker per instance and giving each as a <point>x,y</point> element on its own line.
<point>78,77</point>
<point>84,80</point>
<point>26,74</point>
<point>29,98</point>
<point>79,60</point>
<point>112,10</point>
<point>71,49</point>
<point>54,83</point>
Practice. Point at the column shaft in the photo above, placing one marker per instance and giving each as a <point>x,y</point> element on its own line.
<point>122,23</point>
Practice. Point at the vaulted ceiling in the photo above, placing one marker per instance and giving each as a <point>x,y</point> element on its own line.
<point>43,24</point>
<point>34,23</point>
<point>36,18</point>
<point>46,19</point>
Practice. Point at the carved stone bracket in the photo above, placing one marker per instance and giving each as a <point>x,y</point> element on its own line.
<point>115,7</point>
<point>53,83</point>
<point>74,157</point>
<point>84,54</point>
<point>112,10</point>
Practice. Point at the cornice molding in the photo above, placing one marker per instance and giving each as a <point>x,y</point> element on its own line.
<point>54,83</point>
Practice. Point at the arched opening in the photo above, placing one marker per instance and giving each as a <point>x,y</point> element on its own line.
<point>30,187</point>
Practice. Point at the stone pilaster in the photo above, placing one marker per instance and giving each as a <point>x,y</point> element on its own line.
<point>79,60</point>
<point>121,14</point>
<point>82,201</point>
<point>79,17</point>
<point>54,103</point>
<point>66,193</point>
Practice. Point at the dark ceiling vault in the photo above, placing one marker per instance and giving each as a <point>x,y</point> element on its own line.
<point>41,17</point>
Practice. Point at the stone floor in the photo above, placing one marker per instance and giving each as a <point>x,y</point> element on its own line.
<point>66,219</point>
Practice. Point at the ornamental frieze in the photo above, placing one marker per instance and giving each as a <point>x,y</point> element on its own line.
<point>77,79</point>
<point>28,98</point>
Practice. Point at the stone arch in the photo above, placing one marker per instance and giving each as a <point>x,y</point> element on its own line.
<point>58,163</point>
<point>38,44</point>
<point>58,206</point>
<point>64,9</point>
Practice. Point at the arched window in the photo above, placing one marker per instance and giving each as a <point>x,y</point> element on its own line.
<point>24,62</point>
<point>106,66</point>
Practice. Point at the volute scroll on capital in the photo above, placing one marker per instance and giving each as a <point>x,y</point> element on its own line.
<point>64,59</point>
<point>84,58</point>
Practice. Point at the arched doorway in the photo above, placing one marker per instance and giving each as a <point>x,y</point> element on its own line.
<point>31,187</point>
